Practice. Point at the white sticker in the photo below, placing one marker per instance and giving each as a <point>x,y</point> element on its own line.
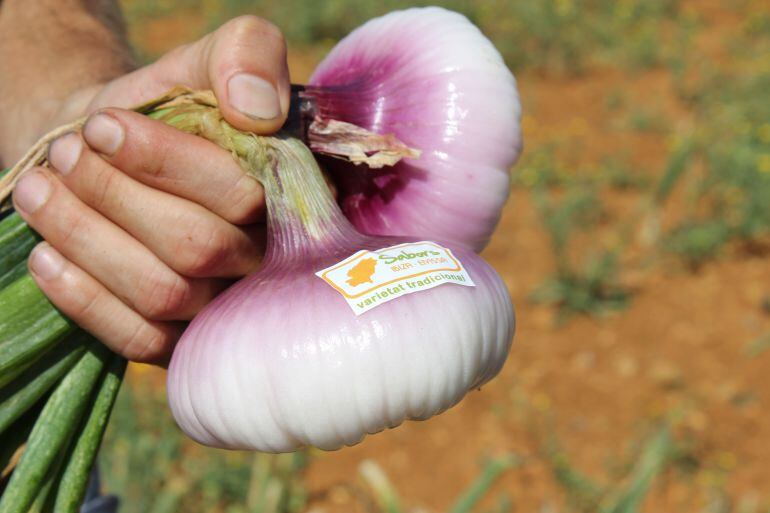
<point>370,278</point>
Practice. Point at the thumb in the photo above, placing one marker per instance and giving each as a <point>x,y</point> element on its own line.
<point>243,62</point>
<point>247,69</point>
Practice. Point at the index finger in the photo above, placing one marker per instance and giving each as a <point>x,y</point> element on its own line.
<point>170,160</point>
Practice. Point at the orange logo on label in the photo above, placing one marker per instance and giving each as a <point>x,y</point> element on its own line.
<point>362,272</point>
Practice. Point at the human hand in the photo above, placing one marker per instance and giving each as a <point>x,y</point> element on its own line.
<point>145,224</point>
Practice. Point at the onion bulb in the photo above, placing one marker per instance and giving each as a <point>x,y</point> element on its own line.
<point>431,78</point>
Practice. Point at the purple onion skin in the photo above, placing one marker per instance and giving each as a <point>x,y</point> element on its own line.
<point>431,78</point>
<point>279,360</point>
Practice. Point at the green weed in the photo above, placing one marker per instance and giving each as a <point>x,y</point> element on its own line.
<point>758,346</point>
<point>590,287</point>
<point>624,493</point>
<point>387,498</point>
<point>647,120</point>
<point>729,191</point>
<point>697,242</point>
<point>615,172</point>
<point>540,169</point>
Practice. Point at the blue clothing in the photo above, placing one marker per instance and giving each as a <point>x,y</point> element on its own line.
<point>95,502</point>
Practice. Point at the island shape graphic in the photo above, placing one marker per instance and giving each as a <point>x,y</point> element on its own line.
<point>361,272</point>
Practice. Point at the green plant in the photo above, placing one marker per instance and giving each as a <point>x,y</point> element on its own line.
<point>728,193</point>
<point>697,242</point>
<point>615,172</point>
<point>387,498</point>
<point>643,119</point>
<point>758,346</point>
<point>542,167</point>
<point>539,168</point>
<point>626,492</point>
<point>590,287</point>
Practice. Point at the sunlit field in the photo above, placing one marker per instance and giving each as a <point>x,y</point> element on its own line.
<point>636,247</point>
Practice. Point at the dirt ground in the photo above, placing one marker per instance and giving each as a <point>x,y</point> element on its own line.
<point>679,348</point>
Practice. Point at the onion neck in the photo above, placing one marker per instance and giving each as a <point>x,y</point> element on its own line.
<point>303,219</point>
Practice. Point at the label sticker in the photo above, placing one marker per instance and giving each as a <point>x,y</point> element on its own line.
<point>370,278</point>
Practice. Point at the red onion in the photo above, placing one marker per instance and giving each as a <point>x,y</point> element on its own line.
<point>431,78</point>
<point>282,359</point>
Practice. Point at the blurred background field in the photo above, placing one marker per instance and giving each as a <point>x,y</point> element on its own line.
<point>636,246</point>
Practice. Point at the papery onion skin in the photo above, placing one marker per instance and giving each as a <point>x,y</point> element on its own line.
<point>431,78</point>
<point>279,361</point>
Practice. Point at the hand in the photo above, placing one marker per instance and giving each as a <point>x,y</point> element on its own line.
<point>145,224</point>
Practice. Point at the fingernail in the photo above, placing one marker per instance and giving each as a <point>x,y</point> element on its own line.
<point>46,262</point>
<point>64,153</point>
<point>31,192</point>
<point>104,133</point>
<point>254,96</point>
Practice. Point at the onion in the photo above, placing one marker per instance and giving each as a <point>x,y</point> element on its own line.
<point>431,78</point>
<point>281,359</point>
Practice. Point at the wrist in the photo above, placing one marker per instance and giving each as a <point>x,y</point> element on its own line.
<point>54,56</point>
<point>75,105</point>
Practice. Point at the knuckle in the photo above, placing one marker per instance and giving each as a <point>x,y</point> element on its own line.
<point>162,296</point>
<point>204,251</point>
<point>84,305</point>
<point>102,186</point>
<point>153,153</point>
<point>144,344</point>
<point>75,295</point>
<point>243,202</point>
<point>71,230</point>
<point>145,150</point>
